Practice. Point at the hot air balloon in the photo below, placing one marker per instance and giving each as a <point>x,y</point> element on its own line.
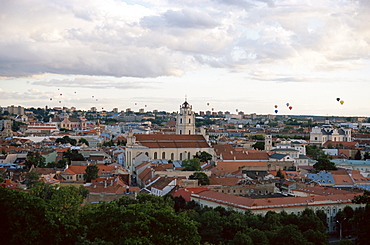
<point>290,107</point>
<point>213,109</point>
<point>60,94</point>
<point>207,103</point>
<point>338,99</point>
<point>287,104</point>
<point>51,98</point>
<point>276,106</point>
<point>276,111</point>
<point>96,100</point>
<point>341,102</point>
<point>92,96</point>
<point>60,101</point>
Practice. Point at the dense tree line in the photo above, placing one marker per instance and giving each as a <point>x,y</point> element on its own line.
<point>50,213</point>
<point>146,220</point>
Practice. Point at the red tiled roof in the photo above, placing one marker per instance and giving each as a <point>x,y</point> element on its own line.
<point>186,192</point>
<point>271,203</point>
<point>227,181</point>
<point>171,141</point>
<point>232,167</point>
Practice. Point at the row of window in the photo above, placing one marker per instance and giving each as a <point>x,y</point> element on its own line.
<point>172,156</point>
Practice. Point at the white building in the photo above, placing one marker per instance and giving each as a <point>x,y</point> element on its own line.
<point>326,132</point>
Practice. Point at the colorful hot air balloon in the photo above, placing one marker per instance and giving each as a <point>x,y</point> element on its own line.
<point>341,102</point>
<point>207,103</point>
<point>213,109</point>
<point>290,107</point>
<point>276,106</point>
<point>60,94</point>
<point>276,111</point>
<point>338,99</point>
<point>287,104</point>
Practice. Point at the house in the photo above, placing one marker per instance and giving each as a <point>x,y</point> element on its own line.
<point>330,204</point>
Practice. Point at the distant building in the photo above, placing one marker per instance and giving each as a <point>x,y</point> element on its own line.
<point>321,134</point>
<point>15,110</point>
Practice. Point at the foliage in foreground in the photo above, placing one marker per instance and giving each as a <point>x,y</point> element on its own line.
<point>48,213</point>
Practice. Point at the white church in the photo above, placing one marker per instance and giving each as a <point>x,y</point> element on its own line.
<point>327,132</point>
<point>180,146</point>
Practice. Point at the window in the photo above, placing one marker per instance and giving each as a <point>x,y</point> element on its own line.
<point>189,131</point>
<point>180,120</point>
<point>155,155</point>
<point>188,155</point>
<point>180,156</point>
<point>163,155</point>
<point>180,131</point>
<point>189,120</point>
<point>172,156</point>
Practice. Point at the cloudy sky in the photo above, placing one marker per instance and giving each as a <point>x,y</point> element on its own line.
<point>246,55</point>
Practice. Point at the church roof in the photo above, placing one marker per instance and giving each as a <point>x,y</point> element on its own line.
<point>171,141</point>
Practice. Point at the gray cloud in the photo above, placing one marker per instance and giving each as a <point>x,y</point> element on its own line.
<point>95,83</point>
<point>169,39</point>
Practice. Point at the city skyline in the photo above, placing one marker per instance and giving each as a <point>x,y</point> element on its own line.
<point>223,55</point>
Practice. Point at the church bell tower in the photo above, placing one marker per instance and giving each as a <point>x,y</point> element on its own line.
<point>185,122</point>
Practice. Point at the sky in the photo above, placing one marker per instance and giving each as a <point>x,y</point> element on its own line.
<point>221,55</point>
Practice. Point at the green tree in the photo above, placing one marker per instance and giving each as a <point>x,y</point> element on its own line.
<point>191,165</point>
<point>203,156</point>
<point>323,163</point>
<point>65,140</point>
<point>32,178</point>
<point>35,159</point>
<point>84,141</point>
<point>314,152</point>
<point>73,155</point>
<point>92,172</point>
<point>201,177</point>
<point>260,145</point>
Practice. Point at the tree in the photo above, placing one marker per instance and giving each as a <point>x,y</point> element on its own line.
<point>32,178</point>
<point>366,156</point>
<point>65,140</point>
<point>358,155</point>
<point>314,152</point>
<point>280,174</point>
<point>324,163</point>
<point>83,141</point>
<point>191,165</point>
<point>201,177</point>
<point>2,175</point>
<point>35,159</point>
<point>260,145</point>
<point>203,156</point>
<point>91,173</point>
<point>73,155</point>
